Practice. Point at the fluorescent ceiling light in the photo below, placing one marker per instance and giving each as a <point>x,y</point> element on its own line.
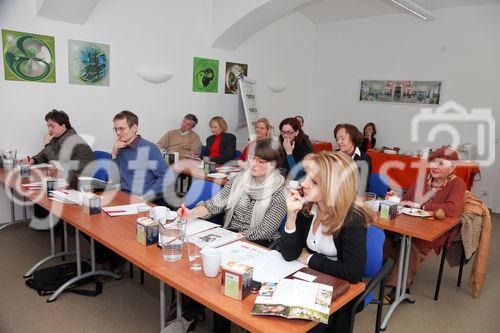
<point>413,8</point>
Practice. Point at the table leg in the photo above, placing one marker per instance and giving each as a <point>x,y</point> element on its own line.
<point>400,295</point>
<point>178,296</point>
<point>53,253</point>
<point>162,305</point>
<point>79,275</point>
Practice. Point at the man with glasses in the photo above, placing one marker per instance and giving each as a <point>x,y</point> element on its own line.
<point>141,165</point>
<point>183,140</point>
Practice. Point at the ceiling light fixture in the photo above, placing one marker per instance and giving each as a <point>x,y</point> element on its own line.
<point>413,8</point>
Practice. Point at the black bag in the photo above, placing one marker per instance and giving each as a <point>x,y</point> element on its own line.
<point>47,280</point>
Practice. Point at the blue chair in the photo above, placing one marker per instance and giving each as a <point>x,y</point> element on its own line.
<point>378,184</point>
<point>203,151</point>
<point>237,154</point>
<point>376,270</point>
<point>102,160</point>
<point>200,190</point>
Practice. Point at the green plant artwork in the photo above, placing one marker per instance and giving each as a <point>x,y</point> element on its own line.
<point>205,75</point>
<point>88,63</point>
<point>28,57</point>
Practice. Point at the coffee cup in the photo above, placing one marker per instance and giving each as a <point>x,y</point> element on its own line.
<point>211,259</point>
<point>159,212</point>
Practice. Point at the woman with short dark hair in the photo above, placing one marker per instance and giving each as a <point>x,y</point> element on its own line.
<point>295,145</point>
<point>369,139</point>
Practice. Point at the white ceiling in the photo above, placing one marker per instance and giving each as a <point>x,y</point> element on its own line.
<point>321,11</point>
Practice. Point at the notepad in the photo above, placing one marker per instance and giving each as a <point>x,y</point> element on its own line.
<point>122,210</point>
<point>198,225</point>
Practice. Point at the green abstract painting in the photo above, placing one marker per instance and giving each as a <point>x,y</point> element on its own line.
<point>28,57</point>
<point>205,75</point>
<point>88,63</point>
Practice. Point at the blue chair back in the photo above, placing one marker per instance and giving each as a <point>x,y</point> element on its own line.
<point>102,160</point>
<point>378,184</point>
<point>200,190</point>
<point>203,151</point>
<point>237,154</point>
<point>375,238</point>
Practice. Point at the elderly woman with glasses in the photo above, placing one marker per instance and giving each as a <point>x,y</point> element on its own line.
<point>254,203</point>
<point>295,145</point>
<point>441,190</point>
<point>263,130</point>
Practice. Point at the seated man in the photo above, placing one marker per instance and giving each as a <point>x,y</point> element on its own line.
<point>183,140</point>
<point>141,165</point>
<point>64,145</point>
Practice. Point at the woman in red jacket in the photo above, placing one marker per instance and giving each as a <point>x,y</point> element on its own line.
<point>442,190</point>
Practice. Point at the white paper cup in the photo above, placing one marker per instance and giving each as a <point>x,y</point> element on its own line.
<point>211,261</point>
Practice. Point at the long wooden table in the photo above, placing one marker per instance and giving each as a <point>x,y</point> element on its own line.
<point>410,227</point>
<point>118,234</point>
<point>403,170</point>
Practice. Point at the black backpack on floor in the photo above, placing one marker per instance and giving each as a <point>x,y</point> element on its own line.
<point>47,280</point>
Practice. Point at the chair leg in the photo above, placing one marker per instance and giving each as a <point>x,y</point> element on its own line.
<point>131,270</point>
<point>380,305</point>
<point>142,276</point>
<point>460,270</point>
<point>441,266</point>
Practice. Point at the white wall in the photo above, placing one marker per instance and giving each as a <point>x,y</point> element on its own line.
<point>460,47</point>
<point>157,34</point>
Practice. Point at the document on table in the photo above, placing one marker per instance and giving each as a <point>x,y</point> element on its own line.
<point>38,185</point>
<point>68,196</point>
<point>271,267</point>
<point>198,225</point>
<point>123,209</point>
<point>240,251</point>
<point>41,165</point>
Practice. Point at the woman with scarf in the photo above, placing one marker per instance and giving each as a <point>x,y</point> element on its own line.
<point>442,190</point>
<point>254,203</point>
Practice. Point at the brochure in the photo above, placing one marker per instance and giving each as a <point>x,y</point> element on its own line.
<point>294,299</point>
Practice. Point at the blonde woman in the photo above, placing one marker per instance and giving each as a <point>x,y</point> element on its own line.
<point>263,130</point>
<point>326,228</point>
<point>221,145</point>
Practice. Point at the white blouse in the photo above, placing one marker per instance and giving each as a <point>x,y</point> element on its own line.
<point>319,242</point>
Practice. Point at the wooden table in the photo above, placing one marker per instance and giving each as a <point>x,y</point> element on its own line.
<point>118,234</point>
<point>318,146</point>
<point>410,227</point>
<point>402,171</point>
<point>191,167</point>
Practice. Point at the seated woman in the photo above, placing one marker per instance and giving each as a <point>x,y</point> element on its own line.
<point>348,140</point>
<point>442,190</point>
<point>326,229</point>
<point>221,146</point>
<point>369,139</point>
<point>254,203</point>
<point>296,146</point>
<point>263,130</point>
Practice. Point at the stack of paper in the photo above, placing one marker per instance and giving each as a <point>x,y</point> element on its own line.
<point>67,196</point>
<point>123,209</point>
<point>271,267</point>
<point>198,225</point>
<point>216,237</point>
<point>38,185</point>
<point>240,251</point>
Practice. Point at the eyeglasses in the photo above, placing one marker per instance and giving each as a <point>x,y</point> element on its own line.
<point>287,132</point>
<point>119,129</point>
<point>256,160</point>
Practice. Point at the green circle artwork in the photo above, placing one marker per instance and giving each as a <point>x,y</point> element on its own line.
<point>205,75</point>
<point>28,57</point>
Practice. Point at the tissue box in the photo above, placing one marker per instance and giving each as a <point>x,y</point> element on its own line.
<point>147,231</point>
<point>91,204</point>
<point>236,280</point>
<point>388,210</point>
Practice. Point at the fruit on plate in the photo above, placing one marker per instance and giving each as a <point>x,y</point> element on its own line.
<point>439,214</point>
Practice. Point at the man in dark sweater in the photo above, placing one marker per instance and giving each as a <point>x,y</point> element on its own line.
<point>64,145</point>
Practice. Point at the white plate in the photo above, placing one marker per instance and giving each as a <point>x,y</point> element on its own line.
<point>227,169</point>
<point>390,151</point>
<point>415,212</point>
<point>217,175</point>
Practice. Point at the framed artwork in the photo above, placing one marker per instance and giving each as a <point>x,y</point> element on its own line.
<point>233,71</point>
<point>205,75</point>
<point>412,92</point>
<point>88,63</point>
<point>28,57</point>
